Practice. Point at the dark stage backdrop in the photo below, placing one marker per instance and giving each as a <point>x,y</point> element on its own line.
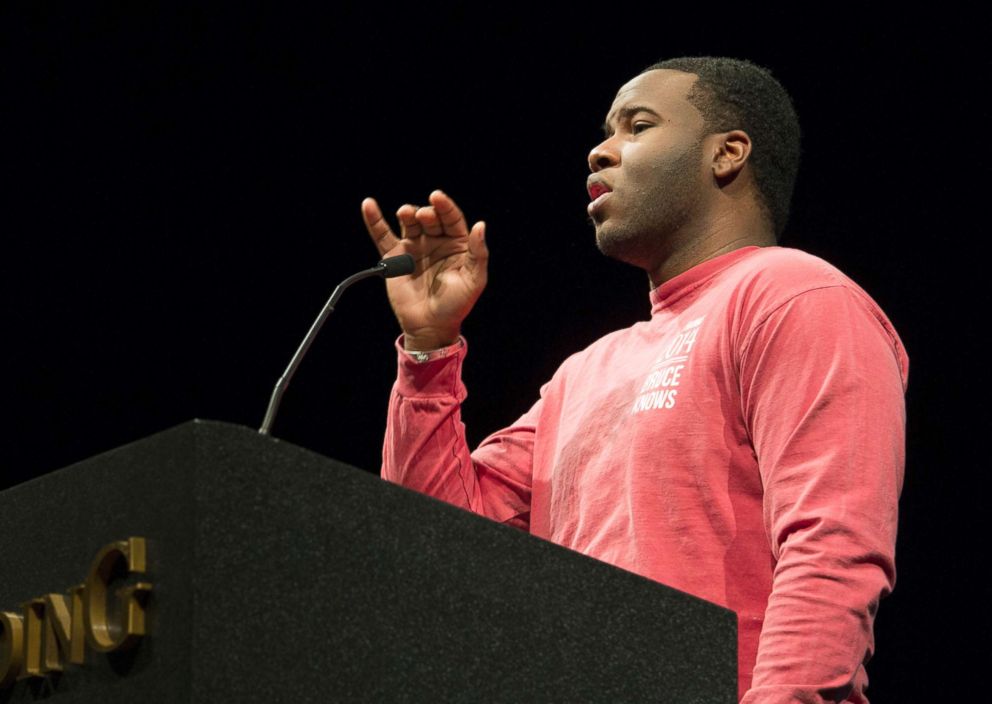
<point>181,189</point>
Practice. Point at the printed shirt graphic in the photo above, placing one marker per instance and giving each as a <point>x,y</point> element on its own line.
<point>660,388</point>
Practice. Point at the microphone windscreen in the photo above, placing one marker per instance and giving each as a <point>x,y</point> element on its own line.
<point>400,265</point>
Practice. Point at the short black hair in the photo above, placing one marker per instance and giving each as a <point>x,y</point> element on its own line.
<point>737,94</point>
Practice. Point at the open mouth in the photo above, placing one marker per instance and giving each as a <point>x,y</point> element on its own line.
<point>599,192</point>
<point>597,189</point>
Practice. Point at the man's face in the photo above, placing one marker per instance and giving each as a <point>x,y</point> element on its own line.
<point>648,175</point>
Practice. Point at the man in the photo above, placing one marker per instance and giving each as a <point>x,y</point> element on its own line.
<point>744,445</point>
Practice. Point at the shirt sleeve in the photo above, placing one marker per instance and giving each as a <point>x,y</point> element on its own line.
<point>425,447</point>
<point>822,382</point>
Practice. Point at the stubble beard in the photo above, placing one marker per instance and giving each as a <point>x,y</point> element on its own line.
<point>654,214</point>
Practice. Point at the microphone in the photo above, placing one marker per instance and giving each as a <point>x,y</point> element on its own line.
<point>400,265</point>
<point>387,268</point>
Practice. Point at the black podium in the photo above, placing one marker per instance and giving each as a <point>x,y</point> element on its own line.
<point>274,574</point>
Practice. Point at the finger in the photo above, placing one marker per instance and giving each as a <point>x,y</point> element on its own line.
<point>478,252</point>
<point>427,217</point>
<point>449,214</point>
<point>409,226</point>
<point>379,230</point>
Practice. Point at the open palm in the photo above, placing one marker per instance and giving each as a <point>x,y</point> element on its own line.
<point>450,272</point>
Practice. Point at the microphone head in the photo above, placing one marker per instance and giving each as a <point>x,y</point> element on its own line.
<point>400,265</point>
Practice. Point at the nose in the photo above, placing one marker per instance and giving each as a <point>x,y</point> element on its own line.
<point>604,155</point>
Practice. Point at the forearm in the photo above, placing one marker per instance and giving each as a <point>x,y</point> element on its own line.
<point>817,633</point>
<point>425,447</point>
<point>832,518</point>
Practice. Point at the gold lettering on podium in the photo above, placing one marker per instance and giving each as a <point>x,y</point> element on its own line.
<point>34,614</point>
<point>59,641</point>
<point>77,647</point>
<point>56,628</point>
<point>106,632</point>
<point>11,647</point>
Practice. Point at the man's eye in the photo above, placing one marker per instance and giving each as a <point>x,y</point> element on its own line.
<point>638,127</point>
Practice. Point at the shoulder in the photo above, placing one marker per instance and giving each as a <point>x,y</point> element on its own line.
<point>784,271</point>
<point>776,283</point>
<point>770,277</point>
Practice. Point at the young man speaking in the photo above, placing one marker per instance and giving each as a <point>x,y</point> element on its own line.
<point>745,444</point>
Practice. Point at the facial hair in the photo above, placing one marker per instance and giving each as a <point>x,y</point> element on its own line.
<point>654,202</point>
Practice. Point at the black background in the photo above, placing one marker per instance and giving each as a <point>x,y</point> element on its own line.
<point>181,190</point>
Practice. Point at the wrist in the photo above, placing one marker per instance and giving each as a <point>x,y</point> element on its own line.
<point>428,342</point>
<point>431,355</point>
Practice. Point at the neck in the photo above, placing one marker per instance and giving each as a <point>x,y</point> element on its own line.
<point>719,235</point>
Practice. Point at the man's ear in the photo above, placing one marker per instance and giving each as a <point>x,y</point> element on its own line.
<point>731,153</point>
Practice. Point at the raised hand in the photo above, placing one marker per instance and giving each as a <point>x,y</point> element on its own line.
<point>450,273</point>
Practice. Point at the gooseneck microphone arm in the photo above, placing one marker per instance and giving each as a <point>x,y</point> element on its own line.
<point>386,268</point>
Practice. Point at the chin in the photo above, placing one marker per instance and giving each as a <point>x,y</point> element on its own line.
<point>622,246</point>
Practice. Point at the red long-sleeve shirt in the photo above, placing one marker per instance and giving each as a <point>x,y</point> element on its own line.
<point>745,445</point>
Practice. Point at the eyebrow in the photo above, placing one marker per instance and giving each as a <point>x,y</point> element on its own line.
<point>625,113</point>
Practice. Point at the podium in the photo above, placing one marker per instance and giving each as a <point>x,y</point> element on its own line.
<point>278,575</point>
